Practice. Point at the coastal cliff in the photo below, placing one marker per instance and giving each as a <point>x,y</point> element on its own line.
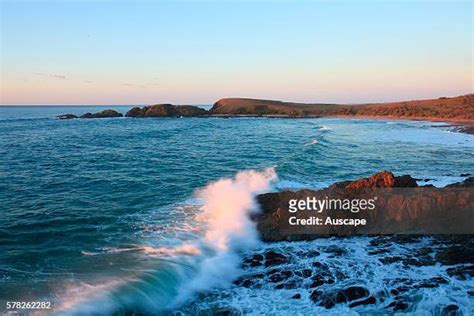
<point>456,108</point>
<point>459,108</point>
<point>400,207</point>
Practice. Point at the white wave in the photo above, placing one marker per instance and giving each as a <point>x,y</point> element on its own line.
<point>211,260</point>
<point>313,142</point>
<point>442,181</point>
<point>225,214</point>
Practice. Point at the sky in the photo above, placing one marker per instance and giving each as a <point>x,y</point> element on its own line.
<point>196,52</point>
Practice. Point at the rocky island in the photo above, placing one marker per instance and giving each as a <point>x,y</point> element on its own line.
<point>167,110</point>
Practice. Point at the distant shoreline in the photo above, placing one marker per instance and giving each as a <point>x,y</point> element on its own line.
<point>457,111</point>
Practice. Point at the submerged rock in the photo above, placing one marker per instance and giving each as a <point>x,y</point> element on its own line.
<point>461,273</point>
<point>66,116</point>
<point>456,254</point>
<point>450,310</point>
<point>398,305</point>
<point>297,296</point>
<point>273,258</point>
<point>346,295</point>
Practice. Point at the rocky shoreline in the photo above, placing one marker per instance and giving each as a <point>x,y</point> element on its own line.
<point>329,273</point>
<point>459,111</point>
<point>400,207</point>
<point>330,269</point>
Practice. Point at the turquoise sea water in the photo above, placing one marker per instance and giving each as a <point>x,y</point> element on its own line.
<point>85,204</point>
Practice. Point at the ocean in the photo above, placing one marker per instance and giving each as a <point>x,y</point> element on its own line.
<point>122,215</point>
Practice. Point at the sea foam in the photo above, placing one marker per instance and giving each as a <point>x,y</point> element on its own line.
<point>211,260</point>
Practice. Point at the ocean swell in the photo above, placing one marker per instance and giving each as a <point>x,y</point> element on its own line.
<point>211,260</point>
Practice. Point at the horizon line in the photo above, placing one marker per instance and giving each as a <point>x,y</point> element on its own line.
<point>269,99</point>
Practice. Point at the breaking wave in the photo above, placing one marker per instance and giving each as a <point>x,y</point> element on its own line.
<point>211,260</point>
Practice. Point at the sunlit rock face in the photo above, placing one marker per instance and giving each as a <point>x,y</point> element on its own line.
<point>389,205</point>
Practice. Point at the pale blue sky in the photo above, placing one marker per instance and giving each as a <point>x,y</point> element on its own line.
<point>124,52</point>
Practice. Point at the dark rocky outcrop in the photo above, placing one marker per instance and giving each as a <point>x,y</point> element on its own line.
<point>468,183</point>
<point>66,116</point>
<point>167,110</point>
<point>401,207</point>
<point>349,294</point>
<point>102,114</point>
<point>332,282</point>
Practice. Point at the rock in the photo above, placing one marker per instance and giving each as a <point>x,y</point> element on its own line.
<point>66,116</point>
<point>335,250</point>
<point>273,258</point>
<point>456,254</point>
<point>277,277</point>
<point>346,295</point>
<point>223,311</point>
<point>319,296</point>
<point>135,112</point>
<point>316,283</point>
<point>450,310</point>
<point>352,293</point>
<point>289,285</point>
<point>159,110</point>
<point>191,111</point>
<point>431,283</point>
<point>467,183</point>
<point>107,113</point>
<point>384,179</point>
<point>305,273</point>
<point>254,261</point>
<point>250,280</point>
<point>378,252</point>
<point>464,174</point>
<point>167,110</point>
<point>398,305</point>
<point>400,207</point>
<point>244,281</point>
<point>417,109</point>
<point>87,115</point>
<point>102,114</point>
<point>461,273</point>
<point>297,296</point>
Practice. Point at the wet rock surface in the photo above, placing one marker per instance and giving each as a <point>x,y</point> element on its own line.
<point>66,116</point>
<point>330,276</point>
